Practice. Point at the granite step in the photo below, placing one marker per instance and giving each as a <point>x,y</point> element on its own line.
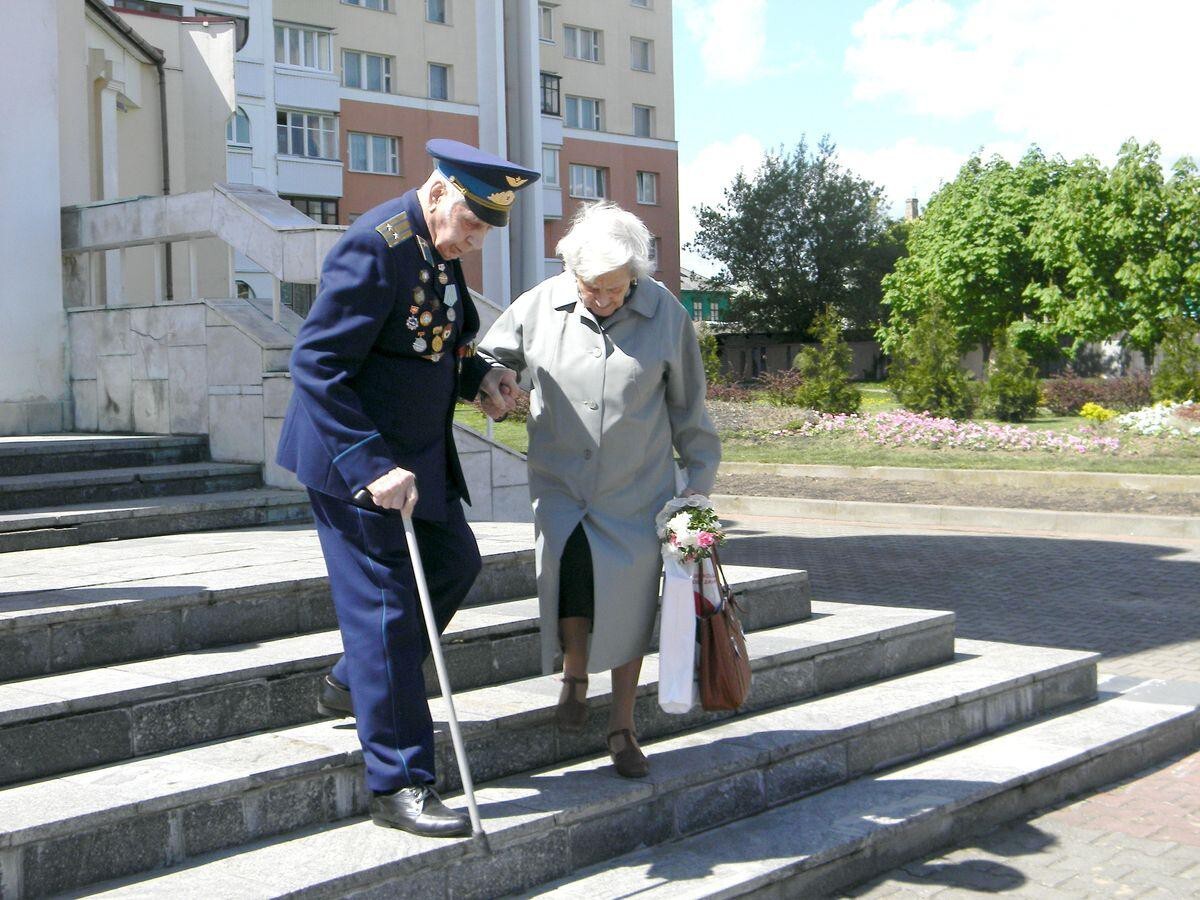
<point>64,722</point>
<point>56,489</point>
<point>35,529</point>
<point>41,454</point>
<point>67,608</point>
<point>826,843</point>
<point>541,825</point>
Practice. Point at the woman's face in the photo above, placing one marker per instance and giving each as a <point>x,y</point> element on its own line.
<point>605,294</point>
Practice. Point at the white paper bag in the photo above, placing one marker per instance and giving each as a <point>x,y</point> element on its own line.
<point>677,637</point>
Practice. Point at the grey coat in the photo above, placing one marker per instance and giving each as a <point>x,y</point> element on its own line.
<point>607,405</point>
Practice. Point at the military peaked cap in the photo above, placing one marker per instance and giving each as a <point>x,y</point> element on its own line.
<point>489,183</point>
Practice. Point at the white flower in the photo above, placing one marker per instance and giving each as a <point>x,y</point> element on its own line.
<point>680,523</point>
<point>688,539</point>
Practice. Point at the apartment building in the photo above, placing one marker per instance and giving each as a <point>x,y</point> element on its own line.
<point>336,99</point>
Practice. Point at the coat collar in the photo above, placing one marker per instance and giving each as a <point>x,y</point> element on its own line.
<point>644,300</point>
<point>416,215</point>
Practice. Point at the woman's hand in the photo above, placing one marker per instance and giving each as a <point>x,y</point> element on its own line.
<point>689,492</point>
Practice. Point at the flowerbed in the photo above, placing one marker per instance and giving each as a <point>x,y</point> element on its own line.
<point>900,428</point>
<point>1166,419</point>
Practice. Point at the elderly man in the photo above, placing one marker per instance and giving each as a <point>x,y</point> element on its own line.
<point>376,369</point>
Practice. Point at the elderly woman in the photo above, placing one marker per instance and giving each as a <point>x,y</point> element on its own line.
<point>617,384</point>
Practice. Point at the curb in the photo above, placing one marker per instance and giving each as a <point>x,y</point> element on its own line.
<point>1001,477</point>
<point>963,518</point>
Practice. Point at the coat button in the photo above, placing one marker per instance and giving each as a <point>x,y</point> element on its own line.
<point>595,351</point>
<point>591,404</point>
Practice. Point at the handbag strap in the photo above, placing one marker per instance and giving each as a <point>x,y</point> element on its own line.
<point>722,581</point>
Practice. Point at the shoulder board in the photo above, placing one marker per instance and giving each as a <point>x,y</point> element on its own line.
<point>395,229</point>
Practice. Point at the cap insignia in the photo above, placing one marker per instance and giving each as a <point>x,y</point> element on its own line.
<point>515,181</point>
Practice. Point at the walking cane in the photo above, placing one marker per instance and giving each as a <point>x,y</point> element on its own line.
<point>363,498</point>
<point>439,663</point>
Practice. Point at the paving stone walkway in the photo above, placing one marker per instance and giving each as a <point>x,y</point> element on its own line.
<point>1137,601</point>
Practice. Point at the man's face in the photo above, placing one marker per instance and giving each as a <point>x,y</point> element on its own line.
<point>454,229</point>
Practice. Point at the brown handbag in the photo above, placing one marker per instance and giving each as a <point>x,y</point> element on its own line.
<point>724,663</point>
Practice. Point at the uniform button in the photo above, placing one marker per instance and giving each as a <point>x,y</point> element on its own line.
<point>595,351</point>
<point>591,404</point>
<point>587,454</point>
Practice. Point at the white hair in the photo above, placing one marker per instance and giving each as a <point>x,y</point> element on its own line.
<point>603,238</point>
<point>456,196</point>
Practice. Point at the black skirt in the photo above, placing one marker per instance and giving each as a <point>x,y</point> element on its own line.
<point>576,584</point>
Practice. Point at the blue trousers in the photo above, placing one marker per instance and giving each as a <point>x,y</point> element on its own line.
<point>383,631</point>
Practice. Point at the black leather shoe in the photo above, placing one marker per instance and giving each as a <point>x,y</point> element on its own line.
<point>418,810</point>
<point>333,699</point>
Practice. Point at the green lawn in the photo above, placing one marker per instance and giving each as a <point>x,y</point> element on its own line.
<point>511,434</point>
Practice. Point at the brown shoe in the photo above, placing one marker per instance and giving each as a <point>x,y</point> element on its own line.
<point>571,714</point>
<point>630,761</point>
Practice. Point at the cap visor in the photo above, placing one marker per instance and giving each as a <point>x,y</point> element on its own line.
<point>494,217</point>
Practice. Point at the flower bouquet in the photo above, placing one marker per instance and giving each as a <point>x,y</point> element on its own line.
<point>689,529</point>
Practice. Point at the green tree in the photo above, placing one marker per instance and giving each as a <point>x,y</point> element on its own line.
<point>1010,393</point>
<point>802,234</point>
<point>825,369</point>
<point>970,250</point>
<point>709,353</point>
<point>1178,374</point>
<point>925,373</point>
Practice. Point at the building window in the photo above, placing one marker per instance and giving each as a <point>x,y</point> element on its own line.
<point>583,112</point>
<point>299,298</point>
<point>244,291</point>
<point>381,5</point>
<point>550,167</point>
<point>237,129</point>
<point>367,71</point>
<point>435,11</point>
<point>150,6</point>
<point>655,247</point>
<point>643,120</point>
<point>305,48</point>
<point>320,209</point>
<point>641,55</point>
<point>551,103</point>
<point>546,22</point>
<point>376,153</point>
<point>647,187</point>
<point>439,82</point>
<point>587,182</point>
<point>306,134</point>
<point>581,43</point>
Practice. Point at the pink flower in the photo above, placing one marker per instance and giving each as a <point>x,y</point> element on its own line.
<point>705,539</point>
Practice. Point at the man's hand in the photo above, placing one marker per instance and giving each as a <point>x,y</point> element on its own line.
<point>499,392</point>
<point>396,489</point>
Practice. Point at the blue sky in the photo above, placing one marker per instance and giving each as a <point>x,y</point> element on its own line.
<point>908,89</point>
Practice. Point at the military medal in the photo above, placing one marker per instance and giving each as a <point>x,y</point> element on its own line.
<point>423,275</point>
<point>411,323</point>
<point>450,297</point>
<point>414,309</point>
<point>419,294</point>
<point>419,345</point>
<point>443,278</point>
<point>437,330</point>
<point>437,344</point>
<point>434,357</point>
<point>451,315</point>
<point>426,317</point>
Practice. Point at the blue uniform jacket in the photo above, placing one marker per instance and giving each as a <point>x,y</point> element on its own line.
<point>368,392</point>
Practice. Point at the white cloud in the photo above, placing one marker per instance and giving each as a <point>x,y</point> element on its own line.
<point>731,34</point>
<point>1074,76</point>
<point>912,168</point>
<point>703,181</point>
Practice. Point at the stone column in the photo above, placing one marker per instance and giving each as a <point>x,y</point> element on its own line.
<point>33,368</point>
<point>114,289</point>
<point>489,27</point>
<point>526,231</point>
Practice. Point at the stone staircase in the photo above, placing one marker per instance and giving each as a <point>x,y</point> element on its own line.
<point>159,737</point>
<point>76,489</point>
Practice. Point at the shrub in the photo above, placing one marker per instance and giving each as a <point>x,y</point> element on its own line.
<point>824,369</point>
<point>709,353</point>
<point>1012,390</point>
<point>1066,395</point>
<point>925,372</point>
<point>1096,412</point>
<point>730,393</point>
<point>1178,375</point>
<point>781,388</point>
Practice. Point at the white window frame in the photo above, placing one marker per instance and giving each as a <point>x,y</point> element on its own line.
<point>587,182</point>
<point>390,167</point>
<point>322,46</point>
<point>647,188</point>
<point>326,128</point>
<point>573,44</point>
<point>380,5</point>
<point>546,23</point>
<point>596,120</point>
<point>649,120</point>
<point>551,164</point>
<point>363,67</point>
<point>231,130</point>
<point>430,11</point>
<point>633,60</point>
<point>429,80</point>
